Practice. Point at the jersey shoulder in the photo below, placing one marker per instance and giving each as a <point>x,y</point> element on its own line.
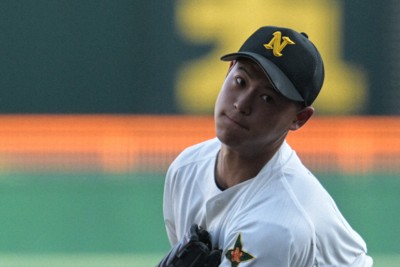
<point>330,225</point>
<point>196,153</point>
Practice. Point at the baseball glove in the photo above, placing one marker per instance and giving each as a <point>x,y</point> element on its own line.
<point>195,250</point>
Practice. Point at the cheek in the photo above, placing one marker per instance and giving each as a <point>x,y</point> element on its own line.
<point>223,99</point>
<point>274,125</point>
<point>284,123</point>
<point>218,105</point>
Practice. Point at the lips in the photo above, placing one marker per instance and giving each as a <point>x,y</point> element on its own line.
<point>237,122</point>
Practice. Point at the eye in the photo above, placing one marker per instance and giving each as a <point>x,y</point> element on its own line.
<point>240,81</point>
<point>267,98</point>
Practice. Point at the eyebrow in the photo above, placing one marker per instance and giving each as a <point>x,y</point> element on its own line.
<point>268,87</point>
<point>242,68</point>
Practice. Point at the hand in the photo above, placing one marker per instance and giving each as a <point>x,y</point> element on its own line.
<point>194,250</point>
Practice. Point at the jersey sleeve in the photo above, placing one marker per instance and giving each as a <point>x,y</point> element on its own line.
<point>271,246</point>
<point>168,205</point>
<point>363,260</point>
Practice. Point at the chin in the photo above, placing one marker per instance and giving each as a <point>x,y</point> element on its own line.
<point>229,138</point>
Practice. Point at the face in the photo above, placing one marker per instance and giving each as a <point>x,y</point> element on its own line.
<point>250,114</point>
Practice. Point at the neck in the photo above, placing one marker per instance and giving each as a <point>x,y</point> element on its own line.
<point>233,167</point>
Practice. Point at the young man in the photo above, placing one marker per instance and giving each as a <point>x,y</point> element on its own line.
<point>244,198</point>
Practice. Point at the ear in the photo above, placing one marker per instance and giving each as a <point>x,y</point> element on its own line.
<point>302,117</point>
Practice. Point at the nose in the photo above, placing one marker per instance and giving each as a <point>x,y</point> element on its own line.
<point>243,103</point>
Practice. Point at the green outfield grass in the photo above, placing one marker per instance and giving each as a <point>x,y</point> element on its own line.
<point>116,260</point>
<point>81,213</point>
<point>61,220</point>
<point>80,260</point>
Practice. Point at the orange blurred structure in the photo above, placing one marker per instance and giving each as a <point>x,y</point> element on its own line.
<point>140,143</point>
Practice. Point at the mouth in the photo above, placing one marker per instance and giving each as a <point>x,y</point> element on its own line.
<point>237,123</point>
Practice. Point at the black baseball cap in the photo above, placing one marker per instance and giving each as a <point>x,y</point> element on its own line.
<point>289,59</point>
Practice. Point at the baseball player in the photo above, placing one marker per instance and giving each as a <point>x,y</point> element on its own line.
<point>245,198</point>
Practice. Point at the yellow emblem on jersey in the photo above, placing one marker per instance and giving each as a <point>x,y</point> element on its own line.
<point>277,45</point>
<point>237,254</point>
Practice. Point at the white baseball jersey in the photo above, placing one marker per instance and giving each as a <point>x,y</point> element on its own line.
<point>282,217</point>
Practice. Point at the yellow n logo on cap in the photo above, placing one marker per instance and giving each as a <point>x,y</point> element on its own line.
<point>277,45</point>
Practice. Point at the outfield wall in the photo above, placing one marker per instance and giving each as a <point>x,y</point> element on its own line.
<point>123,144</point>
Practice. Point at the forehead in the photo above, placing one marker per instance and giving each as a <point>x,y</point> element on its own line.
<point>250,65</point>
<point>254,71</point>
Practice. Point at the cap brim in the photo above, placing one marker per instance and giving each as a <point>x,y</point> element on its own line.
<point>278,79</point>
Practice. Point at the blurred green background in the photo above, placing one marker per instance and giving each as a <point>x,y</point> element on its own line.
<point>136,56</point>
<point>162,57</point>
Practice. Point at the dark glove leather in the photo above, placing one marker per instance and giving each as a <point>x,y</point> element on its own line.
<point>194,250</point>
